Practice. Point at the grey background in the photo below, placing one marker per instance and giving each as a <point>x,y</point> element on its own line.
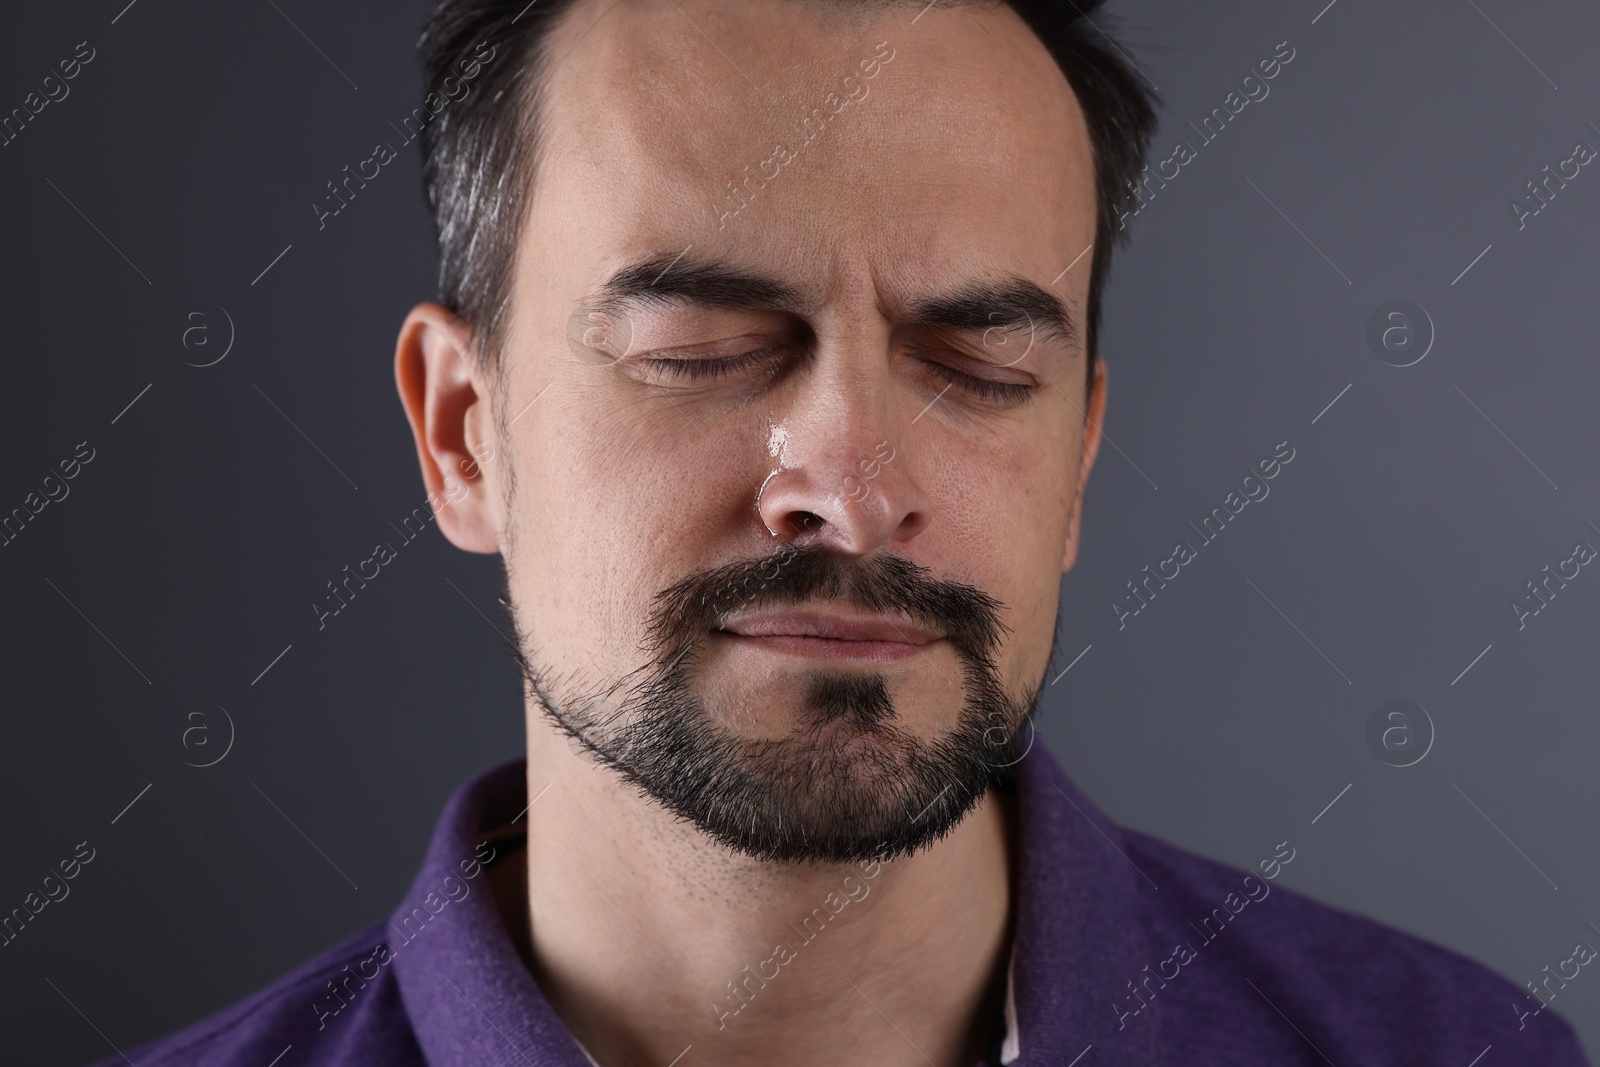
<point>1225,717</point>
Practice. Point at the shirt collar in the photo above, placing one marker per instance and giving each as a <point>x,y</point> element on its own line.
<point>470,998</point>
<point>1080,926</point>
<point>1080,933</point>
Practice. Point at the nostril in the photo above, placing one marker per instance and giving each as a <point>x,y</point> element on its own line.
<point>807,520</point>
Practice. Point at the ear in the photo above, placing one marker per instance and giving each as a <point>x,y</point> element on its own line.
<point>447,401</point>
<point>1091,447</point>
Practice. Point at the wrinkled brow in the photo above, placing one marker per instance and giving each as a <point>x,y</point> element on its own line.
<point>1012,303</point>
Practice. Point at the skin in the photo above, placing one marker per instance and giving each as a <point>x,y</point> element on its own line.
<point>968,160</point>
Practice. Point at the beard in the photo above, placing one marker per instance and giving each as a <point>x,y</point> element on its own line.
<point>847,783</point>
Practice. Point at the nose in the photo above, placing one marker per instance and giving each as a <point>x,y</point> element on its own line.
<point>844,477</point>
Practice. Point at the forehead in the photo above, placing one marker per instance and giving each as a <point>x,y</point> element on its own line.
<point>826,140</point>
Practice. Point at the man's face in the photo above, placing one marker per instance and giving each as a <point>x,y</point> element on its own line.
<point>839,408</point>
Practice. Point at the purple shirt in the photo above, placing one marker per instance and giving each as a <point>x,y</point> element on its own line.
<point>1127,951</point>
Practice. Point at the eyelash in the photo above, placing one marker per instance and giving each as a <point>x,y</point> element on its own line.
<point>697,369</point>
<point>983,388</point>
<point>704,369</point>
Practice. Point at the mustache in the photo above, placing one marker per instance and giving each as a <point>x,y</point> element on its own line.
<point>882,584</point>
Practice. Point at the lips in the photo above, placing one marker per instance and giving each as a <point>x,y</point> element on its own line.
<point>832,625</point>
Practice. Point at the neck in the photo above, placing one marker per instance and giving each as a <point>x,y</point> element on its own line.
<point>649,938</point>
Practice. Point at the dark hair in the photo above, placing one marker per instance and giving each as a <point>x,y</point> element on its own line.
<point>481,151</point>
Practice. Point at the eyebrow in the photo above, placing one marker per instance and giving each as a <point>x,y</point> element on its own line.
<point>663,279</point>
<point>1011,303</point>
<point>1014,303</point>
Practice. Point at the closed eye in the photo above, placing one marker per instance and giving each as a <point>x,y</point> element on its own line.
<point>983,388</point>
<point>722,367</point>
<point>706,369</point>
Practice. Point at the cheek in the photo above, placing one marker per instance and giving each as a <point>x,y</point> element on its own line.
<point>616,501</point>
<point>1010,497</point>
<point>1001,511</point>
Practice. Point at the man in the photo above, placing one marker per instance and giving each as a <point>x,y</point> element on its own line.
<point>766,360</point>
